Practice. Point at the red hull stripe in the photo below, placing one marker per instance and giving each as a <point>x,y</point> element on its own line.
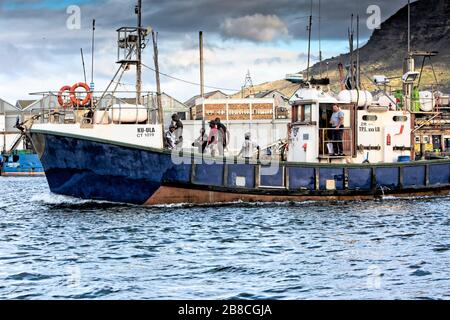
<point>174,195</point>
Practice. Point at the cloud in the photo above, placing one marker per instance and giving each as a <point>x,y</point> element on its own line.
<point>255,27</point>
<point>174,16</point>
<point>39,53</point>
<point>268,61</point>
<point>304,57</point>
<point>227,67</point>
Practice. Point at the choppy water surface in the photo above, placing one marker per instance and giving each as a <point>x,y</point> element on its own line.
<point>57,247</point>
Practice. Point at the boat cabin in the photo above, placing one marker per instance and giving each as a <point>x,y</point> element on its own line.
<point>371,133</point>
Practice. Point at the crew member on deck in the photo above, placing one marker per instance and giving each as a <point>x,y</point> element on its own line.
<point>201,142</point>
<point>213,139</point>
<point>222,129</point>
<point>169,138</point>
<point>248,147</point>
<point>337,125</point>
<point>176,122</point>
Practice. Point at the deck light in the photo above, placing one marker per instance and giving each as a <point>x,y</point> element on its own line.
<point>380,79</point>
<point>410,77</point>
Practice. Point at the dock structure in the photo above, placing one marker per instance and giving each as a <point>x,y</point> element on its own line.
<point>8,119</point>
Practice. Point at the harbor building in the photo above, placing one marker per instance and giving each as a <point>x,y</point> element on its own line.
<point>192,103</point>
<point>8,119</point>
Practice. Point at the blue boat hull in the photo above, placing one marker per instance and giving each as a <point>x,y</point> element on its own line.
<point>92,169</point>
<point>22,164</point>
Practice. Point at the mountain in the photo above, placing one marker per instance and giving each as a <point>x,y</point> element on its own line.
<point>386,49</point>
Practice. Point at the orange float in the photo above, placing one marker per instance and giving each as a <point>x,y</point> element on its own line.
<point>60,97</point>
<point>73,98</point>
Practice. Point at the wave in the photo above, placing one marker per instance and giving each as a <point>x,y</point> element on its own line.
<point>238,203</point>
<point>52,198</point>
<point>60,201</point>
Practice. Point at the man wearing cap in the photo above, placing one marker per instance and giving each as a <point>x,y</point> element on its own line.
<point>248,147</point>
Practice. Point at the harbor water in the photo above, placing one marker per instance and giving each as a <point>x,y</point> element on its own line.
<point>54,247</point>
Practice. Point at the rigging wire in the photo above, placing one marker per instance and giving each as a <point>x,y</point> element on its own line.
<point>189,82</point>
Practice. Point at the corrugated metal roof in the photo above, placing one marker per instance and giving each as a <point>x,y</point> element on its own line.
<point>22,104</point>
<point>191,102</point>
<point>5,106</point>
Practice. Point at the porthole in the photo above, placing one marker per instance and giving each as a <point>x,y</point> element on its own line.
<point>370,118</point>
<point>400,118</point>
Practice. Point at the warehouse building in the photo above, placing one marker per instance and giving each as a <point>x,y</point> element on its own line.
<point>9,115</point>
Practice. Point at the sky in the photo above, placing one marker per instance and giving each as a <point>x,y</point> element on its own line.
<point>40,40</point>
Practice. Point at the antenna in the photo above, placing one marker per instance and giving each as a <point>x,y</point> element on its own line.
<point>351,67</point>
<point>84,66</point>
<point>200,44</point>
<point>409,63</point>
<point>158,82</point>
<point>320,41</point>
<point>138,11</point>
<point>358,67</point>
<point>409,27</point>
<point>92,85</point>
<point>309,41</point>
<point>92,55</point>
<point>248,84</point>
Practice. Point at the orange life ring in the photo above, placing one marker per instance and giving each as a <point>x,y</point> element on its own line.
<point>60,97</point>
<point>79,102</point>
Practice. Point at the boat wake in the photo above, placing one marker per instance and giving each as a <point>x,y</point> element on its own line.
<point>239,204</point>
<point>56,200</point>
<point>389,197</point>
<point>52,199</point>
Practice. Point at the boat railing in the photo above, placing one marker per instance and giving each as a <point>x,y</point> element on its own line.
<point>109,108</point>
<point>329,144</point>
<point>427,104</point>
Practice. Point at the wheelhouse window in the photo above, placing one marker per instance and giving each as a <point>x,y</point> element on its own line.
<point>302,113</point>
<point>370,118</point>
<point>400,118</point>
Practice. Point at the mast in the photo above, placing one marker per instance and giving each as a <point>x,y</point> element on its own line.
<point>309,42</point>
<point>92,53</point>
<point>358,67</point>
<point>320,41</point>
<point>4,140</point>
<point>158,82</point>
<point>409,63</point>
<point>139,53</point>
<point>351,69</point>
<point>409,27</point>
<point>92,86</point>
<point>200,44</point>
<point>84,66</point>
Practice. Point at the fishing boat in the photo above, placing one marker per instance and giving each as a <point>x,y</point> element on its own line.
<point>115,152</point>
<point>21,163</point>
